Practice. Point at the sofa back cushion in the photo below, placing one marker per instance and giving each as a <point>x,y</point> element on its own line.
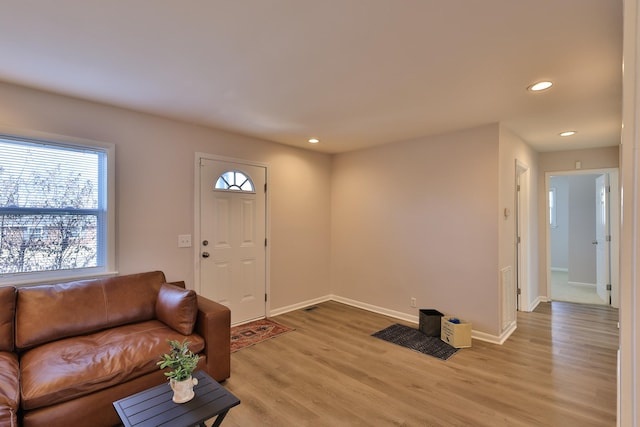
<point>177,308</point>
<point>7,313</point>
<point>50,312</point>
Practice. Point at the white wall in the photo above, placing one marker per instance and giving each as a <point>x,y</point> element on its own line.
<point>582,229</point>
<point>414,219</point>
<point>444,246</point>
<point>154,188</point>
<point>420,219</point>
<point>513,149</point>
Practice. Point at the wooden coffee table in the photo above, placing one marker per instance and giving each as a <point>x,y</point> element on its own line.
<point>155,407</point>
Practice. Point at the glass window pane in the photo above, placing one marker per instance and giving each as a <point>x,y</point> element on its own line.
<point>234,181</point>
<point>222,184</point>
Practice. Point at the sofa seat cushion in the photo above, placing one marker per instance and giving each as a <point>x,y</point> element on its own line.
<point>66,369</point>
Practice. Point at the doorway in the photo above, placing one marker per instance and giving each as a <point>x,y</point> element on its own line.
<point>582,233</point>
<point>231,235</point>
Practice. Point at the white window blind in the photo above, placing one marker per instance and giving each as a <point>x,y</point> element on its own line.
<point>53,207</point>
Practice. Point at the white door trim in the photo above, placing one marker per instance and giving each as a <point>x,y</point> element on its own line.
<point>522,226</point>
<point>196,220</point>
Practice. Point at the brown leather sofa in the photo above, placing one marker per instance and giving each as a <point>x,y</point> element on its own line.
<point>78,347</point>
<point>9,371</point>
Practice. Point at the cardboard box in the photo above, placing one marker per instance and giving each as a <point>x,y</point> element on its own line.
<point>457,335</point>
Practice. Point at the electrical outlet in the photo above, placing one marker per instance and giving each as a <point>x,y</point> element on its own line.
<point>413,302</point>
<point>184,241</point>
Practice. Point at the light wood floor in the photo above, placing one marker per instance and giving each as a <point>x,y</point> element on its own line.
<point>557,369</point>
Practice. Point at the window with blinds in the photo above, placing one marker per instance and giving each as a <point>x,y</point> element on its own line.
<point>53,207</point>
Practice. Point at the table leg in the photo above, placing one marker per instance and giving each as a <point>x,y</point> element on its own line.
<point>218,420</point>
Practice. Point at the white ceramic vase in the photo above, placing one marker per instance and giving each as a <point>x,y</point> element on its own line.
<point>183,390</point>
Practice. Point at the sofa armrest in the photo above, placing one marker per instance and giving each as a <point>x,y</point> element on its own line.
<point>214,325</point>
<point>9,389</point>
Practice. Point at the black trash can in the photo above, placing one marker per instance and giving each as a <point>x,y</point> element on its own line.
<point>429,322</point>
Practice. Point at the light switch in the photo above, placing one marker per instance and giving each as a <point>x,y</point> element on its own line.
<point>184,241</point>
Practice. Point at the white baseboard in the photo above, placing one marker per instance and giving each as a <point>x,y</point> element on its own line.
<point>507,332</point>
<point>374,308</point>
<point>493,339</point>
<point>538,301</point>
<point>482,336</point>
<point>300,305</point>
<point>534,304</point>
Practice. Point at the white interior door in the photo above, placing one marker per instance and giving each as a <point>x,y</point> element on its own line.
<point>232,237</point>
<point>602,240</point>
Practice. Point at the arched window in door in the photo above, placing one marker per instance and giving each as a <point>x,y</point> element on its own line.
<point>234,180</point>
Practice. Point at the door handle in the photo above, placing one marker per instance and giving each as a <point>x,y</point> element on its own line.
<point>205,254</point>
<point>595,242</point>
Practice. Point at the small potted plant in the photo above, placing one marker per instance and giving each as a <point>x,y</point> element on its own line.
<point>182,363</point>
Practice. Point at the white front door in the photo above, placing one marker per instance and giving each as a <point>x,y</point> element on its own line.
<point>602,240</point>
<point>233,237</point>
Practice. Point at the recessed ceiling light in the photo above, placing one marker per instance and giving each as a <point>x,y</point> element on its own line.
<point>538,86</point>
<point>568,133</point>
<point>314,140</point>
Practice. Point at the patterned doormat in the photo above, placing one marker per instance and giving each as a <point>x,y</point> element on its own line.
<point>254,332</point>
<point>415,340</point>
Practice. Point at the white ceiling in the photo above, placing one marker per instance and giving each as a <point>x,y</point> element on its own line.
<point>354,73</point>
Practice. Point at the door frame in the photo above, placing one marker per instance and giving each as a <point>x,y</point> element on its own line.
<point>604,230</point>
<point>522,248</point>
<point>614,225</point>
<point>196,221</point>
